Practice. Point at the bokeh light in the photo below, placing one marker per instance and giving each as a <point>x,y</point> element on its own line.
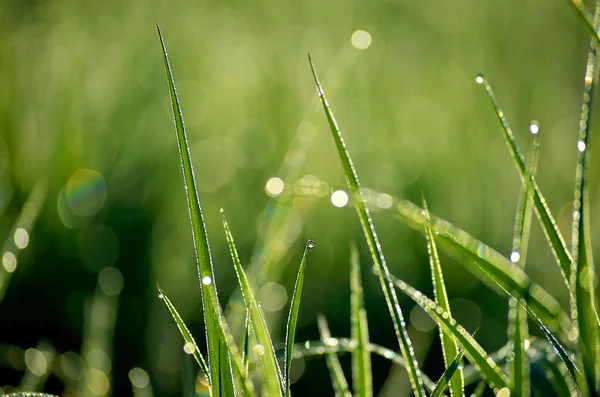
<point>9,261</point>
<point>361,39</point>
<point>111,281</point>
<point>21,238</point>
<point>339,198</point>
<point>139,378</point>
<point>272,296</point>
<point>86,192</point>
<point>274,186</point>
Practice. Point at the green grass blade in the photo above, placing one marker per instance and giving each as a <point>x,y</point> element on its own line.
<point>488,368</point>
<point>290,331</point>
<point>187,335</point>
<point>338,379</point>
<point>227,380</point>
<point>374,246</point>
<point>448,375</point>
<point>273,377</point>
<point>449,345</point>
<point>362,380</point>
<point>246,347</point>
<point>586,16</point>
<point>553,235</point>
<point>583,274</point>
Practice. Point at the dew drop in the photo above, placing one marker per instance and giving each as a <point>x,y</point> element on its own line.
<point>534,127</point>
<point>310,244</point>
<point>259,349</point>
<point>514,257</point>
<point>479,78</point>
<point>206,280</point>
<point>581,146</point>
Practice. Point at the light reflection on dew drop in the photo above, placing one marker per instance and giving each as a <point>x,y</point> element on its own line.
<point>534,127</point>
<point>504,392</point>
<point>479,78</point>
<point>206,280</point>
<point>514,257</point>
<point>310,244</point>
<point>274,186</point>
<point>9,261</point>
<point>388,354</point>
<point>259,349</point>
<point>189,348</point>
<point>332,342</point>
<point>21,238</point>
<point>339,198</point>
<point>581,146</point>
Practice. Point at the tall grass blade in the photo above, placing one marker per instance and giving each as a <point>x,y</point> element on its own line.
<point>271,370</point>
<point>290,331</point>
<point>449,345</point>
<point>586,16</point>
<point>583,274</point>
<point>374,246</point>
<point>553,235</point>
<point>362,381</point>
<point>338,379</point>
<point>227,379</point>
<point>448,375</point>
<point>488,368</point>
<point>518,332</point>
<point>187,335</point>
<point>217,330</point>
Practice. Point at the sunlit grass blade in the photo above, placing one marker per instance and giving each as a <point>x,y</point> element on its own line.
<point>290,331</point>
<point>447,375</point>
<point>518,332</point>
<point>271,370</point>
<point>338,379</point>
<point>449,345</point>
<point>187,335</point>
<point>374,246</point>
<point>18,237</point>
<point>362,381</point>
<point>217,330</point>
<point>553,235</point>
<point>586,16</point>
<point>489,265</point>
<point>488,368</point>
<point>583,273</point>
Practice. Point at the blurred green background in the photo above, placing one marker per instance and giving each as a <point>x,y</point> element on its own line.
<point>84,107</point>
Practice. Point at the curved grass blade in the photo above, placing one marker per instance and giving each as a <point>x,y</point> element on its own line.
<point>586,17</point>
<point>338,379</point>
<point>290,330</point>
<point>488,368</point>
<point>448,374</point>
<point>583,274</point>
<point>374,246</point>
<point>271,369</point>
<point>553,235</point>
<point>217,330</point>
<point>187,335</point>
<point>362,381</point>
<point>449,345</point>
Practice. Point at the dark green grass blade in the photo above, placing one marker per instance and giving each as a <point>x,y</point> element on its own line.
<point>553,235</point>
<point>583,274</point>
<point>362,381</point>
<point>449,345</point>
<point>585,16</point>
<point>227,380</point>
<point>338,379</point>
<point>183,329</point>
<point>268,360</point>
<point>290,331</point>
<point>518,331</point>
<point>374,246</point>
<point>488,368</point>
<point>447,375</point>
<point>246,347</point>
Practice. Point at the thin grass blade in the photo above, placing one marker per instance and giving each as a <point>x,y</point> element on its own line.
<point>290,331</point>
<point>368,227</point>
<point>585,16</point>
<point>449,345</point>
<point>362,380</point>
<point>271,370</point>
<point>488,368</point>
<point>227,378</point>
<point>338,379</point>
<point>553,235</point>
<point>448,374</point>
<point>187,335</point>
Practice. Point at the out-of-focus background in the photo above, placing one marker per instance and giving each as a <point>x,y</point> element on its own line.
<point>85,118</point>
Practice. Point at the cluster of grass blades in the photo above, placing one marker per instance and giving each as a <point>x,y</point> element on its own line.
<point>566,363</point>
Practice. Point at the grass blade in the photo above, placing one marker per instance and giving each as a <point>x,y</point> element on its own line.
<point>586,17</point>
<point>362,380</point>
<point>227,380</point>
<point>488,368</point>
<point>290,331</point>
<point>268,360</point>
<point>374,246</point>
<point>448,374</point>
<point>338,379</point>
<point>187,335</point>
<point>449,345</point>
<point>553,235</point>
<point>583,274</point>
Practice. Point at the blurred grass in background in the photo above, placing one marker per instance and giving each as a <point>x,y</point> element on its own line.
<point>84,106</point>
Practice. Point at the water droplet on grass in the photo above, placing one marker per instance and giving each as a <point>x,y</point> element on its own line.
<point>310,244</point>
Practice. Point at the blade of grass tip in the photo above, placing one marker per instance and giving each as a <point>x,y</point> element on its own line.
<point>553,235</point>
<point>518,332</point>
<point>583,274</point>
<point>362,380</point>
<point>586,16</point>
<point>476,354</point>
<point>290,330</point>
<point>338,379</point>
<point>190,342</point>
<point>266,351</point>
<point>449,345</point>
<point>447,375</point>
<point>368,227</point>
